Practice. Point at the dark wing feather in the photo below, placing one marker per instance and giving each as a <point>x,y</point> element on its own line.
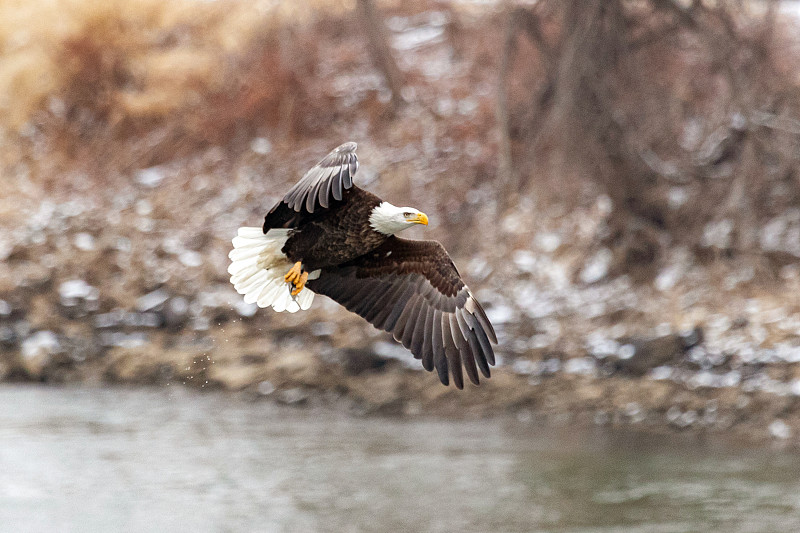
<point>413,290</point>
<point>326,181</point>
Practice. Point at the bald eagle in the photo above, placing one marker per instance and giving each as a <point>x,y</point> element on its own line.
<point>327,236</point>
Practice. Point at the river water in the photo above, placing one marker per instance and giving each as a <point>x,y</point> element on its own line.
<point>101,460</point>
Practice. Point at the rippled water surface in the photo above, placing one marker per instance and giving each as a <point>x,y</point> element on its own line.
<point>149,460</point>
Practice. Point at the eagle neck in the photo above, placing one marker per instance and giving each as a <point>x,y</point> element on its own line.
<point>382,220</point>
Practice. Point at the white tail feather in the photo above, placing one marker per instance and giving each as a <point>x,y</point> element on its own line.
<point>257,269</point>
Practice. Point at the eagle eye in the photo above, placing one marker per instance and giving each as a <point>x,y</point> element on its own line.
<point>407,214</point>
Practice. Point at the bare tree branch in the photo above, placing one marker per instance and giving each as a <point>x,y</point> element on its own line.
<point>523,19</point>
<point>380,50</point>
<point>683,14</point>
<point>506,171</point>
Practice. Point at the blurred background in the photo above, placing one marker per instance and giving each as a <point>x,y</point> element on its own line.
<point>617,181</point>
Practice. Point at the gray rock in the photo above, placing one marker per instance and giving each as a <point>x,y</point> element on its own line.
<point>779,429</point>
<point>38,352</point>
<point>265,388</point>
<point>112,319</point>
<point>110,339</point>
<point>77,298</point>
<point>176,312</point>
<point>644,354</point>
<point>40,343</point>
<point>85,242</point>
<point>8,337</point>
<point>355,361</point>
<point>143,320</point>
<point>151,300</point>
<point>296,396</point>
<point>692,338</point>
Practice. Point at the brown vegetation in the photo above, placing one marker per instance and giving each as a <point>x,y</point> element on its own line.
<point>160,79</point>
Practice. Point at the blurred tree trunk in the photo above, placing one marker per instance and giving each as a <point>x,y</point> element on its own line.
<point>573,109</point>
<point>593,45</point>
<point>611,91</point>
<point>506,171</point>
<point>518,20</point>
<point>380,50</point>
<point>576,105</point>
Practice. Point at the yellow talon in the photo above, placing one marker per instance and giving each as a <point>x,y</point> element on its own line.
<point>294,273</point>
<point>299,284</point>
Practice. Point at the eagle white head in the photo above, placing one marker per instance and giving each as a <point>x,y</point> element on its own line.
<point>389,219</point>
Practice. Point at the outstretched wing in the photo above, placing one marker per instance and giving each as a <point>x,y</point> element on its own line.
<point>413,290</point>
<point>327,180</point>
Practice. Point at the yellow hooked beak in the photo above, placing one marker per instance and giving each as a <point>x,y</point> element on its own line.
<point>421,218</point>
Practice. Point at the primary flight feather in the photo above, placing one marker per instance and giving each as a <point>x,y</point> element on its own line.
<point>328,236</point>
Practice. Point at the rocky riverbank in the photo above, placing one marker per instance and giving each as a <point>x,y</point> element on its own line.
<point>131,287</point>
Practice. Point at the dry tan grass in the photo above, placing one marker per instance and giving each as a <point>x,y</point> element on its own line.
<point>114,65</point>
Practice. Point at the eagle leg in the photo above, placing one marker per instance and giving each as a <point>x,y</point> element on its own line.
<point>294,274</point>
<point>300,283</point>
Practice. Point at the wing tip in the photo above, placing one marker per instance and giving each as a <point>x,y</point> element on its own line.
<point>480,314</point>
<point>328,178</point>
<point>346,148</point>
<point>444,377</point>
